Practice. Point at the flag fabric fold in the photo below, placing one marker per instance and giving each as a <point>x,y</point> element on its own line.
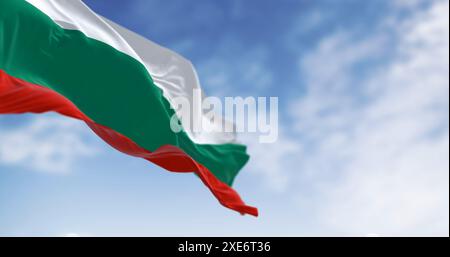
<point>58,55</point>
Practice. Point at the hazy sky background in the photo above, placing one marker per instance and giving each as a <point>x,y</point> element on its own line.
<point>363,149</point>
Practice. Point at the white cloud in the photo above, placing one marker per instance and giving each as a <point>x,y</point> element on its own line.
<point>47,143</point>
<point>380,165</point>
<point>272,161</point>
<point>371,146</point>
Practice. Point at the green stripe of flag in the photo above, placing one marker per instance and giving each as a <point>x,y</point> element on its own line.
<point>112,88</point>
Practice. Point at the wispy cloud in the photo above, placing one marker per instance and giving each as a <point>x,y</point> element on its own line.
<point>274,162</point>
<point>46,143</point>
<point>379,154</point>
<point>370,140</point>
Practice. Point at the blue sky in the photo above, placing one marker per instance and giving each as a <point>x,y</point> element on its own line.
<point>363,148</point>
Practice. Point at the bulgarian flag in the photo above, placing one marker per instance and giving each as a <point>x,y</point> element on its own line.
<point>60,56</point>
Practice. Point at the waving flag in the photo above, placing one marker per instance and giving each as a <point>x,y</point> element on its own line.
<point>58,55</point>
